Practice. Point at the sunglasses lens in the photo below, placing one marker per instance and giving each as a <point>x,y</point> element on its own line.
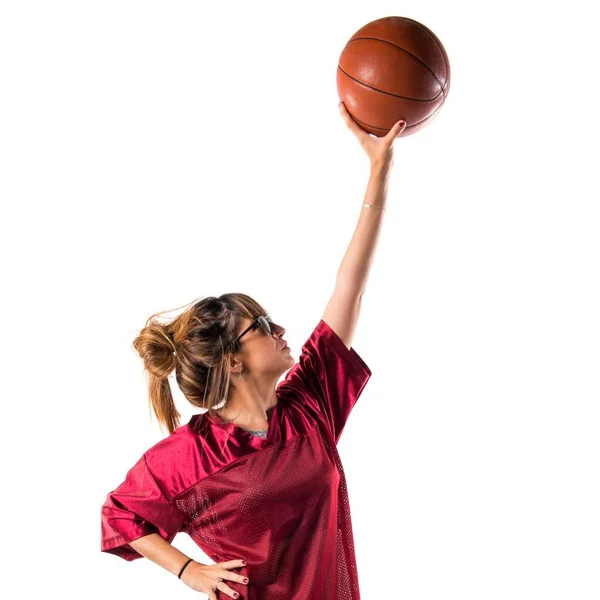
<point>264,325</point>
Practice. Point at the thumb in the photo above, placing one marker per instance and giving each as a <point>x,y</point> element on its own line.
<point>397,129</point>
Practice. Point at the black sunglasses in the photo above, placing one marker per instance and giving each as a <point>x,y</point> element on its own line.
<point>265,323</point>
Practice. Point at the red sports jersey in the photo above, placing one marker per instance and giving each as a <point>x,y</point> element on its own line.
<point>280,503</point>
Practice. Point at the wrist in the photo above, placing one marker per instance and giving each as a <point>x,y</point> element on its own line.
<point>185,566</point>
<point>379,169</point>
<point>188,571</point>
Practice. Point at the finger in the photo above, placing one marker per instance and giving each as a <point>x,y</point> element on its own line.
<point>397,129</point>
<point>223,587</point>
<point>232,564</point>
<point>233,577</point>
<point>352,125</point>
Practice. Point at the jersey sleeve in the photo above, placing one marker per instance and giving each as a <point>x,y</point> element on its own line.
<point>137,507</point>
<point>330,375</point>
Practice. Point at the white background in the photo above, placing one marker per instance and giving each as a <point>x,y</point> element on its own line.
<point>154,153</point>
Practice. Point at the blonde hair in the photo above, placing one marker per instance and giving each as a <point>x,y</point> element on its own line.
<point>198,344</point>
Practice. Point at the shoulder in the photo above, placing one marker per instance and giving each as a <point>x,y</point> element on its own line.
<point>170,457</point>
<point>180,437</point>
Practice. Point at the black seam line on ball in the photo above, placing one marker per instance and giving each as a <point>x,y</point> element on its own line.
<point>407,52</point>
<point>433,37</point>
<point>371,87</point>
<point>381,128</point>
<point>407,126</point>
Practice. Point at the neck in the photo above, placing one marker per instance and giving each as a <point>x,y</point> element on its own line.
<point>250,407</point>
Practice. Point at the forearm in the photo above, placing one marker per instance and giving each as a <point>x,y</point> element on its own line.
<point>159,551</point>
<point>356,264</point>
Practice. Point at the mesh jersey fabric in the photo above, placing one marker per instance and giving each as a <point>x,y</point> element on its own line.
<point>279,502</point>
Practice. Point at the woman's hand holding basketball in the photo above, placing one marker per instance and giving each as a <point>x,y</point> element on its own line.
<point>380,150</point>
<point>210,578</point>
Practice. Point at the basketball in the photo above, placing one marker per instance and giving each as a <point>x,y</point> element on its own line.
<point>393,68</point>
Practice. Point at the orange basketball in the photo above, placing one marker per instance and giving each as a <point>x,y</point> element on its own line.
<point>393,68</point>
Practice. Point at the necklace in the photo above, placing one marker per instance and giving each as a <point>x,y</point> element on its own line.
<point>262,433</point>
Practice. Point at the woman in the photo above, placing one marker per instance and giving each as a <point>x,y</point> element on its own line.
<point>255,481</point>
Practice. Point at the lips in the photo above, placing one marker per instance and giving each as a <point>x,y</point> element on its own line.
<point>284,346</point>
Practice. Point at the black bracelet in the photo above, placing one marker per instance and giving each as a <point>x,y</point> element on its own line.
<point>184,566</point>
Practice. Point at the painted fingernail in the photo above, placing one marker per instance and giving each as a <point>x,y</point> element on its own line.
<point>244,562</point>
<point>235,594</point>
<point>245,580</point>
